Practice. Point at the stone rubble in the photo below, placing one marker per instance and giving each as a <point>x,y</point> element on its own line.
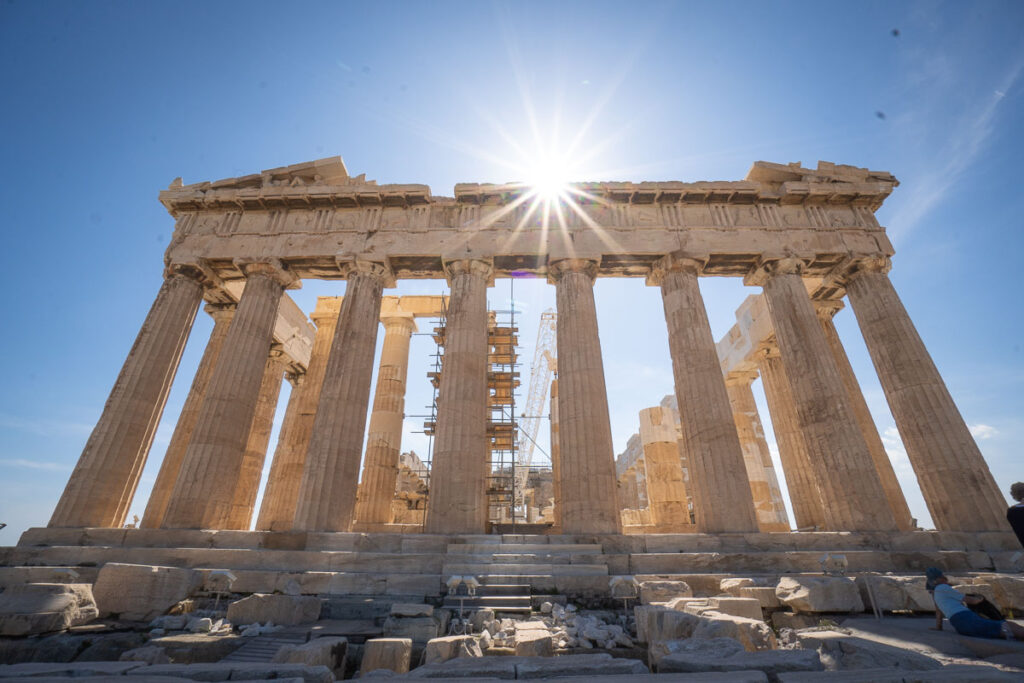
<point>34,608</point>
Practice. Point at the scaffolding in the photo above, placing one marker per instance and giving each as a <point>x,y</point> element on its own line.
<point>502,427</point>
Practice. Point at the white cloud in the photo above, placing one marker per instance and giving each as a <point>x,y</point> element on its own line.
<point>982,431</point>
<point>964,143</point>
<point>35,464</point>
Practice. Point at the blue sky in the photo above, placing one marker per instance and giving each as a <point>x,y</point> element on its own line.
<point>106,102</point>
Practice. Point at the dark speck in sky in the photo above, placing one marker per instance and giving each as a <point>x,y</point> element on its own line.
<point>880,114</point>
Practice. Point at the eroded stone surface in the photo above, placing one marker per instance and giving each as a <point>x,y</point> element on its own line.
<point>392,654</point>
<point>142,592</point>
<point>281,609</point>
<point>34,608</point>
<point>819,594</point>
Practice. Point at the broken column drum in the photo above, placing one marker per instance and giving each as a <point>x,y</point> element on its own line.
<point>804,235</point>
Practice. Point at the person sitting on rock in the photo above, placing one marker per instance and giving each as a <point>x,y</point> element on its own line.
<point>951,603</point>
<point>1015,515</point>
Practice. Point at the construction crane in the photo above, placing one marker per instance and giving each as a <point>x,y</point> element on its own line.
<point>544,365</point>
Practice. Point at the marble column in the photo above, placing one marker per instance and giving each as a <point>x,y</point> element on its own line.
<point>666,490</point>
<point>764,485</point>
<point>461,462</point>
<point>629,489</point>
<point>587,459</point>
<point>718,478</point>
<point>801,479</point>
<point>893,493</point>
<point>958,487</point>
<point>104,480</point>
<point>247,487</point>
<point>281,497</point>
<point>556,450</point>
<point>851,491</point>
<point>160,496</point>
<point>384,441</point>
<point>203,494</point>
<point>327,495</point>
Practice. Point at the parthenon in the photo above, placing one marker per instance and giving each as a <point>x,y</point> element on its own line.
<point>807,237</point>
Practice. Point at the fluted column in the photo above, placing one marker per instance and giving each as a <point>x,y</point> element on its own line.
<point>801,479</point>
<point>666,490</point>
<point>587,472</point>
<point>247,487</point>
<point>461,462</point>
<point>850,487</point>
<point>327,495</point>
<point>764,485</point>
<point>718,477</point>
<point>893,493</point>
<point>629,489</point>
<point>384,441</point>
<point>956,482</point>
<point>104,480</point>
<point>160,496</point>
<point>281,497</point>
<point>203,494</point>
<point>556,458</point>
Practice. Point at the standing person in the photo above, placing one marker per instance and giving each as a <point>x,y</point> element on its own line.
<point>950,603</point>
<point>1015,515</point>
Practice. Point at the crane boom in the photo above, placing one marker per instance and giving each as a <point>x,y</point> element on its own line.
<point>544,365</point>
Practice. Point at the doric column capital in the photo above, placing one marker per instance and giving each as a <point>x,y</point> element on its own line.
<point>473,266</point>
<point>221,312</point>
<point>295,376</point>
<point>827,308</point>
<point>741,378</point>
<point>271,268</point>
<point>355,265</point>
<point>277,353</point>
<point>676,262</point>
<point>769,349</point>
<point>556,269</point>
<point>768,267</point>
<point>198,271</point>
<point>878,264</point>
<point>398,324</point>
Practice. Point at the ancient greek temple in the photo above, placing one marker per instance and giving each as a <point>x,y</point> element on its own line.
<point>803,239</point>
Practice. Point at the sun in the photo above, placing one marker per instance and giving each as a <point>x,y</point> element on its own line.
<point>549,177</point>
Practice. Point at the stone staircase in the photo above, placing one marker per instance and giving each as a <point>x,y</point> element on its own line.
<point>510,571</point>
<point>263,648</point>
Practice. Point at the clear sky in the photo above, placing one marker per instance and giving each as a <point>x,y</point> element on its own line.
<point>104,103</point>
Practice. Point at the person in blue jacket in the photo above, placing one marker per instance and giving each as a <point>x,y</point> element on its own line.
<point>1015,515</point>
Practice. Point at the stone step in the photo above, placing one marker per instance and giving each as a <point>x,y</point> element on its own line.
<point>808,561</point>
<point>513,558</point>
<point>508,569</point>
<point>503,589</point>
<point>496,602</point>
<point>525,548</point>
<point>263,648</point>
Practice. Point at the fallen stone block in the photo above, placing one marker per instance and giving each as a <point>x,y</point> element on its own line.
<point>666,624</point>
<point>663,591</point>
<point>959,674</point>
<point>150,654</point>
<point>420,629</point>
<point>893,593</point>
<point>392,654</point>
<point>67,670</point>
<point>749,608</point>
<point>141,592</point>
<point>1008,590</point>
<point>713,647</point>
<point>409,609</point>
<point>34,608</point>
<point>479,618</point>
<point>753,633</point>
<point>602,664</point>
<point>983,589</point>
<point>503,668</point>
<point>771,662</point>
<point>819,594</point>
<point>451,647</point>
<point>190,648</point>
<point>841,651</point>
<point>235,671</point>
<point>533,643</point>
<point>330,652</point>
<point>765,596</point>
<point>286,610</point>
<point>733,585</point>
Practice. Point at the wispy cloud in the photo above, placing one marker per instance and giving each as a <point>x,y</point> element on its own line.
<point>35,464</point>
<point>983,431</point>
<point>42,426</point>
<point>965,141</point>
